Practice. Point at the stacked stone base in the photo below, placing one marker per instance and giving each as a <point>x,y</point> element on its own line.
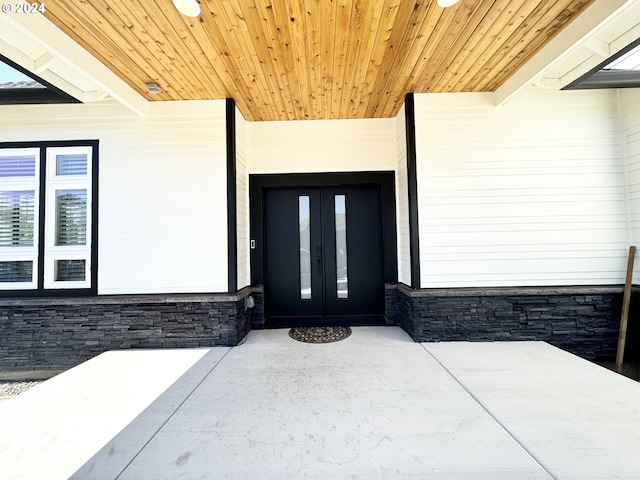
<point>58,333</point>
<point>582,320</point>
<point>54,334</point>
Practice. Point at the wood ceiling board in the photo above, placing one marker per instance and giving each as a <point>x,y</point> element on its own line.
<point>484,48</point>
<point>289,59</point>
<point>420,34</point>
<point>344,11</point>
<point>450,43</point>
<point>390,54</point>
<point>256,15</point>
<point>360,55</point>
<point>242,56</point>
<point>277,32</point>
<point>92,35</point>
<point>533,32</point>
<point>194,62</point>
<point>182,31</point>
<point>133,50</point>
<point>423,68</point>
<point>311,16</point>
<point>208,35</point>
<point>178,76</point>
<point>462,47</point>
<point>482,39</point>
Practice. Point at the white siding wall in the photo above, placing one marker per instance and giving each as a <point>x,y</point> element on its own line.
<point>528,194</point>
<point>162,218</point>
<point>242,201</point>
<point>322,146</point>
<point>402,201</point>
<point>629,100</point>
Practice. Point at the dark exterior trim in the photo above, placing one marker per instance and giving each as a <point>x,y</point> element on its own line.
<point>40,291</point>
<point>21,96</point>
<point>386,181</point>
<point>412,187</point>
<point>598,77</point>
<point>95,196</point>
<point>232,233</point>
<point>42,208</point>
<point>510,291</point>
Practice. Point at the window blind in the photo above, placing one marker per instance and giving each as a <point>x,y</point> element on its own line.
<point>18,166</point>
<point>16,271</point>
<point>68,164</point>
<point>71,217</point>
<point>70,270</point>
<point>17,218</point>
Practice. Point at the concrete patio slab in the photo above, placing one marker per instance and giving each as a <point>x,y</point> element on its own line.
<point>576,418</point>
<point>371,406</point>
<point>51,430</point>
<point>375,405</point>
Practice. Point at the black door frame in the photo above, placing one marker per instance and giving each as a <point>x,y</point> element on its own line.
<point>385,180</point>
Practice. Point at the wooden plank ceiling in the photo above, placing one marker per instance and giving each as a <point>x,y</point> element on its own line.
<point>313,59</point>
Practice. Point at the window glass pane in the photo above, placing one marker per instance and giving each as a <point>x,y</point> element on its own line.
<point>16,271</point>
<point>17,218</point>
<point>305,248</point>
<point>342,280</point>
<point>71,164</point>
<point>70,270</point>
<point>71,217</point>
<point>18,166</point>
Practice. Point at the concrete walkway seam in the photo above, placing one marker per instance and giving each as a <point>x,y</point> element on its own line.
<point>174,412</point>
<point>486,409</point>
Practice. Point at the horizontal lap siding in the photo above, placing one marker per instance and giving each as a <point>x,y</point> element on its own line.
<point>402,202</point>
<point>630,112</point>
<point>162,189</point>
<point>322,146</point>
<point>242,201</point>
<point>528,194</point>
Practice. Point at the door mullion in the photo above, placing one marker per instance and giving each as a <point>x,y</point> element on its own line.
<point>324,246</point>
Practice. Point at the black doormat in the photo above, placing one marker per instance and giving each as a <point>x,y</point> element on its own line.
<point>319,334</point>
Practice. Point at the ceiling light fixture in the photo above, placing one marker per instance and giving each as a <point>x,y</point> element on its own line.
<point>153,88</point>
<point>447,3</point>
<point>190,8</point>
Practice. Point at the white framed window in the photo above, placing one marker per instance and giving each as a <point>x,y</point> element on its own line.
<point>67,254</point>
<point>19,218</point>
<point>47,216</point>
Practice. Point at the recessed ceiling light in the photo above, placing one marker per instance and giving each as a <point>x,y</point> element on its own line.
<point>153,87</point>
<point>190,8</point>
<point>447,3</point>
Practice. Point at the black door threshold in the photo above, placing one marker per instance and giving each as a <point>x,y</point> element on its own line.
<point>341,321</point>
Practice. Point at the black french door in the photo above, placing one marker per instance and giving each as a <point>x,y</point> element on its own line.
<point>323,257</point>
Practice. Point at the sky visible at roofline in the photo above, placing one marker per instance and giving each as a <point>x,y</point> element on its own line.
<point>8,74</point>
<point>622,70</point>
<point>18,88</point>
<point>628,61</point>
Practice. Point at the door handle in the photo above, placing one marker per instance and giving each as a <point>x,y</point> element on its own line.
<point>319,258</point>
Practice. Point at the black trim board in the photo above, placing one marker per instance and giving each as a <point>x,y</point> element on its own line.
<point>232,230</point>
<point>40,291</point>
<point>412,187</point>
<point>599,77</point>
<point>385,179</point>
<point>41,219</point>
<point>22,96</point>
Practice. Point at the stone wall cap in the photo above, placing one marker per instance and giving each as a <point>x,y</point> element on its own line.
<point>129,299</point>
<point>509,291</point>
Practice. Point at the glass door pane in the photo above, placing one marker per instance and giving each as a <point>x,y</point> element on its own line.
<point>305,247</point>
<point>342,278</point>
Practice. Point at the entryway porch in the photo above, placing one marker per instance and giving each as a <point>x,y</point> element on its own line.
<point>375,405</point>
